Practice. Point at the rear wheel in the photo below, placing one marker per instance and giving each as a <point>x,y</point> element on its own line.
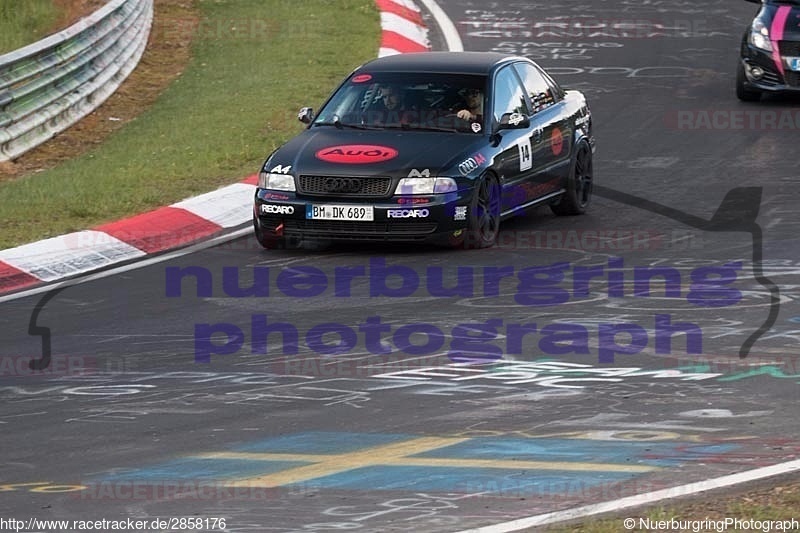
<point>579,185</point>
<point>742,92</point>
<point>483,223</point>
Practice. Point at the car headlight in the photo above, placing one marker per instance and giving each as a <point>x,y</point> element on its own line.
<point>426,186</point>
<point>276,181</point>
<point>759,36</point>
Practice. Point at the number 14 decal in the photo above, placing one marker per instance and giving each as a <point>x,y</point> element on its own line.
<point>525,159</point>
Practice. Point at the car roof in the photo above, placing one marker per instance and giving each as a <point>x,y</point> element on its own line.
<point>440,62</point>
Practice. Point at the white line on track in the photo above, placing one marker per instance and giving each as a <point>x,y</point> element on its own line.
<point>640,499</point>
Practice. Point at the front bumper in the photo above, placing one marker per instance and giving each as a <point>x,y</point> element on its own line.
<point>778,75</point>
<point>434,218</point>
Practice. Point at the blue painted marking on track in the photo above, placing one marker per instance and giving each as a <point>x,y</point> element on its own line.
<point>503,480</point>
<point>467,480</point>
<point>197,469</point>
<point>323,442</point>
<point>662,453</point>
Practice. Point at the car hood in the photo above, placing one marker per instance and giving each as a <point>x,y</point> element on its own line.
<point>330,151</point>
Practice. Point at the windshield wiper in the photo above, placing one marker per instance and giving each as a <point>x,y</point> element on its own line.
<point>408,127</point>
<point>340,125</point>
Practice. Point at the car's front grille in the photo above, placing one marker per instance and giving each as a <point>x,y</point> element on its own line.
<point>789,48</point>
<point>770,78</point>
<point>345,186</point>
<point>792,78</point>
<point>338,229</point>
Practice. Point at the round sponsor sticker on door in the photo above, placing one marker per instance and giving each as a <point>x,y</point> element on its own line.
<point>556,141</point>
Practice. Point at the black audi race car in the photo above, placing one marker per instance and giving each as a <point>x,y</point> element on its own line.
<point>434,146</point>
<point>770,52</point>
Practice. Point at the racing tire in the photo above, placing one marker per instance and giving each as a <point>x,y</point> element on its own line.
<point>483,222</point>
<point>579,184</point>
<point>742,92</point>
<point>266,239</point>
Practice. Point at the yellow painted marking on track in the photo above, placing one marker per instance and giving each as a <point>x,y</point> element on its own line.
<point>327,465</point>
<point>397,454</point>
<point>17,486</point>
<point>442,461</point>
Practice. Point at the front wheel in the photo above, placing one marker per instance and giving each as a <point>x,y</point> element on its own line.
<point>579,185</point>
<point>483,223</point>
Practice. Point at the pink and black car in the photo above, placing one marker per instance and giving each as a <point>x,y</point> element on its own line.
<point>770,53</point>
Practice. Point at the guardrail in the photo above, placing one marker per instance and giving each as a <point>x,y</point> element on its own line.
<point>49,85</point>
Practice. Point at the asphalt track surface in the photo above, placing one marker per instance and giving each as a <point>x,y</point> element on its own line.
<point>140,416</point>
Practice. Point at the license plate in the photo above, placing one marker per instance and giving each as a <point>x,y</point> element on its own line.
<point>794,63</point>
<point>356,213</point>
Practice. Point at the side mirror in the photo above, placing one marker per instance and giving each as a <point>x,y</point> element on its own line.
<point>306,115</point>
<point>513,121</point>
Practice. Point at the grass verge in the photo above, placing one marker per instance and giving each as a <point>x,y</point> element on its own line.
<point>25,22</point>
<point>254,64</point>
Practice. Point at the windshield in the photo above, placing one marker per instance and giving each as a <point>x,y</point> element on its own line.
<point>408,101</point>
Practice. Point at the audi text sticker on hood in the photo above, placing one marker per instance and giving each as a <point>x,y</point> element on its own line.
<point>357,154</point>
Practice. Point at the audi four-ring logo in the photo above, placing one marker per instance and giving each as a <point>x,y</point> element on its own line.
<point>347,185</point>
<point>467,166</point>
<point>471,163</point>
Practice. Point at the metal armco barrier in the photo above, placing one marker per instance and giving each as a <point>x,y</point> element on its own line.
<point>49,85</point>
